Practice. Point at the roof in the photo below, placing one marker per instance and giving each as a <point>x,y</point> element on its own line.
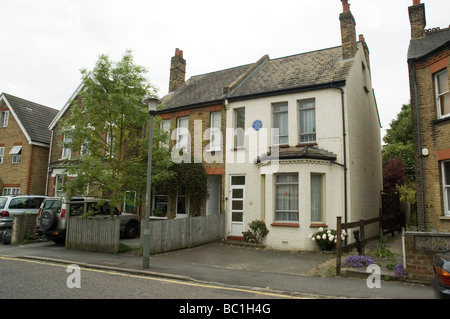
<point>203,88</point>
<point>292,73</point>
<point>304,152</point>
<point>431,42</point>
<point>265,77</point>
<point>33,118</point>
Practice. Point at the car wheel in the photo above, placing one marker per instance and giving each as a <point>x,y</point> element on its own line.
<point>48,220</point>
<point>131,230</point>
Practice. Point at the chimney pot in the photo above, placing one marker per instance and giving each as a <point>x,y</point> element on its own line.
<point>345,6</point>
<point>416,2</point>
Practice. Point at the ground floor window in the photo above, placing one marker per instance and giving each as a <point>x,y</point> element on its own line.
<point>286,197</point>
<point>316,198</point>
<point>446,186</point>
<point>160,205</point>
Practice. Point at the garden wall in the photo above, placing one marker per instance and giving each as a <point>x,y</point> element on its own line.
<point>420,249</point>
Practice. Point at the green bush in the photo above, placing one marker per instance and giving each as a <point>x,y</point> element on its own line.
<point>257,231</point>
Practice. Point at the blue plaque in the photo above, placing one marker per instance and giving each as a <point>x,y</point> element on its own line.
<point>257,125</point>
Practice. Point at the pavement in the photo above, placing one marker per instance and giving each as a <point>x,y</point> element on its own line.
<point>295,273</point>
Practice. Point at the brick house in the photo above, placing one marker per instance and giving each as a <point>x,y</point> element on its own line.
<point>24,145</point>
<point>428,65</point>
<point>300,137</point>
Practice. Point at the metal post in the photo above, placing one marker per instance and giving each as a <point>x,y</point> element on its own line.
<point>146,248</point>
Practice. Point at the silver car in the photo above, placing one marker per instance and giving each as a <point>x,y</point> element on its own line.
<point>51,219</point>
<point>11,205</point>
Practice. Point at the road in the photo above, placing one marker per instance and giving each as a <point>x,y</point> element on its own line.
<point>30,279</point>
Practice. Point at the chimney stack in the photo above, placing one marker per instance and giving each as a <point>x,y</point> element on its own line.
<point>417,19</point>
<point>177,71</point>
<point>348,31</point>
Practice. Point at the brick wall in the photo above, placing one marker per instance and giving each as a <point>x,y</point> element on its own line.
<point>30,173</point>
<point>435,136</point>
<point>420,249</point>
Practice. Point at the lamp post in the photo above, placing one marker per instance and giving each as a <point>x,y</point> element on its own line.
<point>152,103</point>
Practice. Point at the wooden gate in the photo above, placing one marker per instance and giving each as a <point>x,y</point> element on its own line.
<point>392,216</point>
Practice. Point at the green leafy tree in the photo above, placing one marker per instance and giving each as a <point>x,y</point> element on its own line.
<point>399,142</point>
<point>108,124</point>
<point>398,155</point>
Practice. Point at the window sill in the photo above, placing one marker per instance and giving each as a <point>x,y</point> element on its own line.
<point>239,148</point>
<point>286,224</point>
<point>444,218</point>
<point>318,225</point>
<point>441,120</point>
<point>306,144</point>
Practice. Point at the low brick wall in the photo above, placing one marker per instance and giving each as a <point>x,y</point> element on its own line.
<point>22,223</point>
<point>420,249</point>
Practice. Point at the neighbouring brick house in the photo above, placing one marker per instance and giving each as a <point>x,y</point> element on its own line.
<point>24,145</point>
<point>429,62</point>
<point>318,110</point>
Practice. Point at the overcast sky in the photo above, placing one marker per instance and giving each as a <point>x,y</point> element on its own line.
<point>45,43</point>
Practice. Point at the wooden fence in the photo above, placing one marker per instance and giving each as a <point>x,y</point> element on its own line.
<point>93,234</point>
<point>362,239</point>
<point>103,235</point>
<point>172,234</point>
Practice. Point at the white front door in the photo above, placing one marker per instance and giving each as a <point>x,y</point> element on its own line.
<point>237,205</point>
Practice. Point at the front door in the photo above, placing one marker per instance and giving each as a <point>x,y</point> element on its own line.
<point>237,205</point>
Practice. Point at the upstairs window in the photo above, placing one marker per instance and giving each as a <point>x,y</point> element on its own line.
<point>280,124</point>
<point>67,140</point>
<point>216,131</point>
<point>2,154</point>
<point>239,125</point>
<point>183,134</point>
<point>442,93</point>
<point>307,111</point>
<point>4,116</point>
<point>16,152</point>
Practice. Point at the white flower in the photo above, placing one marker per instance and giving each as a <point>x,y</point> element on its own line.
<point>324,236</point>
<point>320,229</point>
<point>313,239</point>
<point>328,231</point>
<point>318,237</point>
<point>331,237</point>
<point>335,240</point>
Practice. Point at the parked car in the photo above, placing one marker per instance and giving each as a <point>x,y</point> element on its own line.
<point>11,205</point>
<point>441,280</point>
<point>51,219</point>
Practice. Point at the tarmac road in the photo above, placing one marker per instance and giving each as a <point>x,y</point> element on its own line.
<point>237,266</point>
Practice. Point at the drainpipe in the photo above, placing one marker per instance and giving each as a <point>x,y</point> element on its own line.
<point>419,141</point>
<point>344,145</point>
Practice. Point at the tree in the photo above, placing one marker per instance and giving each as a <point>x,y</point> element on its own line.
<point>398,155</point>
<point>399,142</point>
<point>109,124</point>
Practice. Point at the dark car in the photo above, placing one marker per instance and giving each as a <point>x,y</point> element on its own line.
<point>441,280</point>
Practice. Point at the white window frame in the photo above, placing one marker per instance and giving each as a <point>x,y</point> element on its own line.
<point>4,117</point>
<point>303,132</point>
<point>446,187</point>
<point>319,206</point>
<point>294,212</point>
<point>239,134</point>
<point>16,153</point>
<point>165,127</point>
<point>66,151</point>
<point>11,191</point>
<point>215,133</point>
<point>277,137</point>
<point>440,95</point>
<point>2,154</point>
<point>183,142</point>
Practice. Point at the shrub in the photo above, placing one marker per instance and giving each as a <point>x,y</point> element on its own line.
<point>257,231</point>
<point>326,238</point>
